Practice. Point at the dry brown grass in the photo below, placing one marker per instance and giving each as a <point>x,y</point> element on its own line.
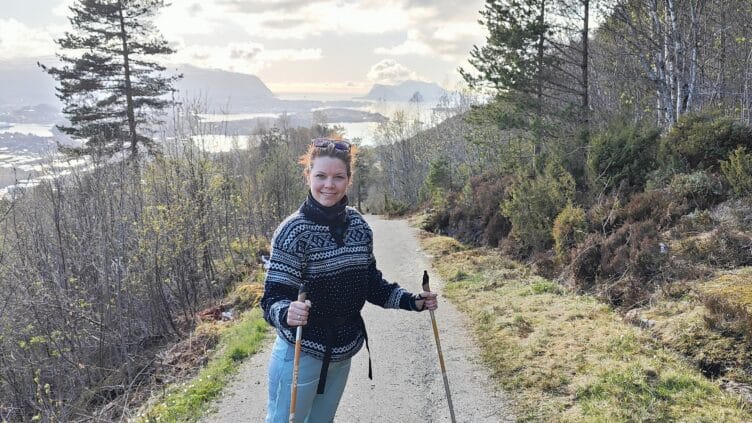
<point>728,297</point>
<point>565,357</point>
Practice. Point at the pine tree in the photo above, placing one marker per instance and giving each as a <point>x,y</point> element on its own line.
<point>536,62</point>
<point>513,61</point>
<point>111,88</point>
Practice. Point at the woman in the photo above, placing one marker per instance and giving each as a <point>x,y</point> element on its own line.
<point>327,248</point>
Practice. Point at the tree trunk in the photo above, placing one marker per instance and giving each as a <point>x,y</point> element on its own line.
<point>128,89</point>
<point>584,65</point>
<point>695,34</point>
<point>539,88</point>
<point>661,78</point>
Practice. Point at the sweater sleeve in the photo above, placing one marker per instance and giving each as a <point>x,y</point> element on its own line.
<point>283,276</point>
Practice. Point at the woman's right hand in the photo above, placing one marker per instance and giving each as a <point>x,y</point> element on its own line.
<point>297,313</point>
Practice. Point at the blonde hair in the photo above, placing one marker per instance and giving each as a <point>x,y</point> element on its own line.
<point>313,152</point>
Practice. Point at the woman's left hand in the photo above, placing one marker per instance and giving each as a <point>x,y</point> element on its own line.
<point>426,301</point>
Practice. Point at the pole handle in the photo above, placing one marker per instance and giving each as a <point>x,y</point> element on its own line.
<point>426,284</point>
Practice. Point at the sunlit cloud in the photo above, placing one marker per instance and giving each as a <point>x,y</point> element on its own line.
<point>254,6</point>
<point>20,41</point>
<point>63,8</point>
<point>274,38</point>
<point>450,42</point>
<point>414,45</point>
<point>248,58</point>
<point>390,72</point>
<point>458,31</point>
<point>180,19</point>
<point>292,55</point>
<point>302,19</point>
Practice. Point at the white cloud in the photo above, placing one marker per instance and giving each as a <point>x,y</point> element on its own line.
<point>291,55</point>
<point>274,39</point>
<point>355,18</point>
<point>449,42</point>
<point>390,72</point>
<point>458,31</point>
<point>18,40</point>
<point>304,19</point>
<point>180,19</point>
<point>248,58</point>
<point>414,45</point>
<point>63,8</point>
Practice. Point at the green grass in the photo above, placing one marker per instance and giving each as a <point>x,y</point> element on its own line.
<point>563,357</point>
<point>188,401</point>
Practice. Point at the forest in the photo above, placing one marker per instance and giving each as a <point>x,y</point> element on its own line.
<point>613,156</point>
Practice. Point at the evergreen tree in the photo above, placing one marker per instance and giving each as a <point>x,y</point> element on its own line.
<point>362,178</point>
<point>513,61</point>
<point>536,61</point>
<point>513,64</point>
<point>111,89</point>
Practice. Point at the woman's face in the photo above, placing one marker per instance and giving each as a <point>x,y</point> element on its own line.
<point>328,180</point>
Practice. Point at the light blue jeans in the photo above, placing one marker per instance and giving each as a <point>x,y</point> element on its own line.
<point>309,407</point>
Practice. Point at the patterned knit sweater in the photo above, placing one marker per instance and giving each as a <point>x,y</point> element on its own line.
<point>339,277</point>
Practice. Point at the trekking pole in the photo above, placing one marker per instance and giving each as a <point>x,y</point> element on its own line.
<point>296,362</point>
<point>427,288</point>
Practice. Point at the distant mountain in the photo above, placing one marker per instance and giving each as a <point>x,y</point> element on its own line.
<point>405,91</point>
<point>23,83</point>
<point>222,90</point>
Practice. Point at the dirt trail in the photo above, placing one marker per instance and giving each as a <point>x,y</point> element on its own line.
<point>407,384</point>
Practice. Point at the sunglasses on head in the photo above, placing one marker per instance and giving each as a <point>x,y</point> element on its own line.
<point>340,145</point>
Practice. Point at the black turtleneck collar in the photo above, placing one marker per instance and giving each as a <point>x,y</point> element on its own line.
<point>334,217</point>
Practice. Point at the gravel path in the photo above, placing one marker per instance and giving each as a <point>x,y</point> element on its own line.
<point>407,384</point>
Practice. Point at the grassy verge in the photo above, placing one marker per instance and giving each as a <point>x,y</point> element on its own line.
<point>187,402</point>
<point>569,358</point>
<point>710,324</point>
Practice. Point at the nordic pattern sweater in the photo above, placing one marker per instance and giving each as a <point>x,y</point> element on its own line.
<point>339,280</point>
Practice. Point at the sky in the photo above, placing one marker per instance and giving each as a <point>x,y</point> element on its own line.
<point>294,46</point>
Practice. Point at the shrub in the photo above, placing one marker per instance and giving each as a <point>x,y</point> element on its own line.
<point>474,216</point>
<point>543,264</point>
<point>735,213</point>
<point>703,140</point>
<point>246,296</point>
<point>570,228</point>
<point>624,153</point>
<point>693,223</point>
<point>657,206</point>
<point>622,269</point>
<point>634,247</point>
<point>738,172</point>
<point>250,248</point>
<point>437,220</point>
<point>394,207</point>
<point>631,264</point>
<point>605,214</point>
<point>585,262</point>
<point>721,248</point>
<point>439,175</point>
<point>698,189</point>
<point>533,204</point>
